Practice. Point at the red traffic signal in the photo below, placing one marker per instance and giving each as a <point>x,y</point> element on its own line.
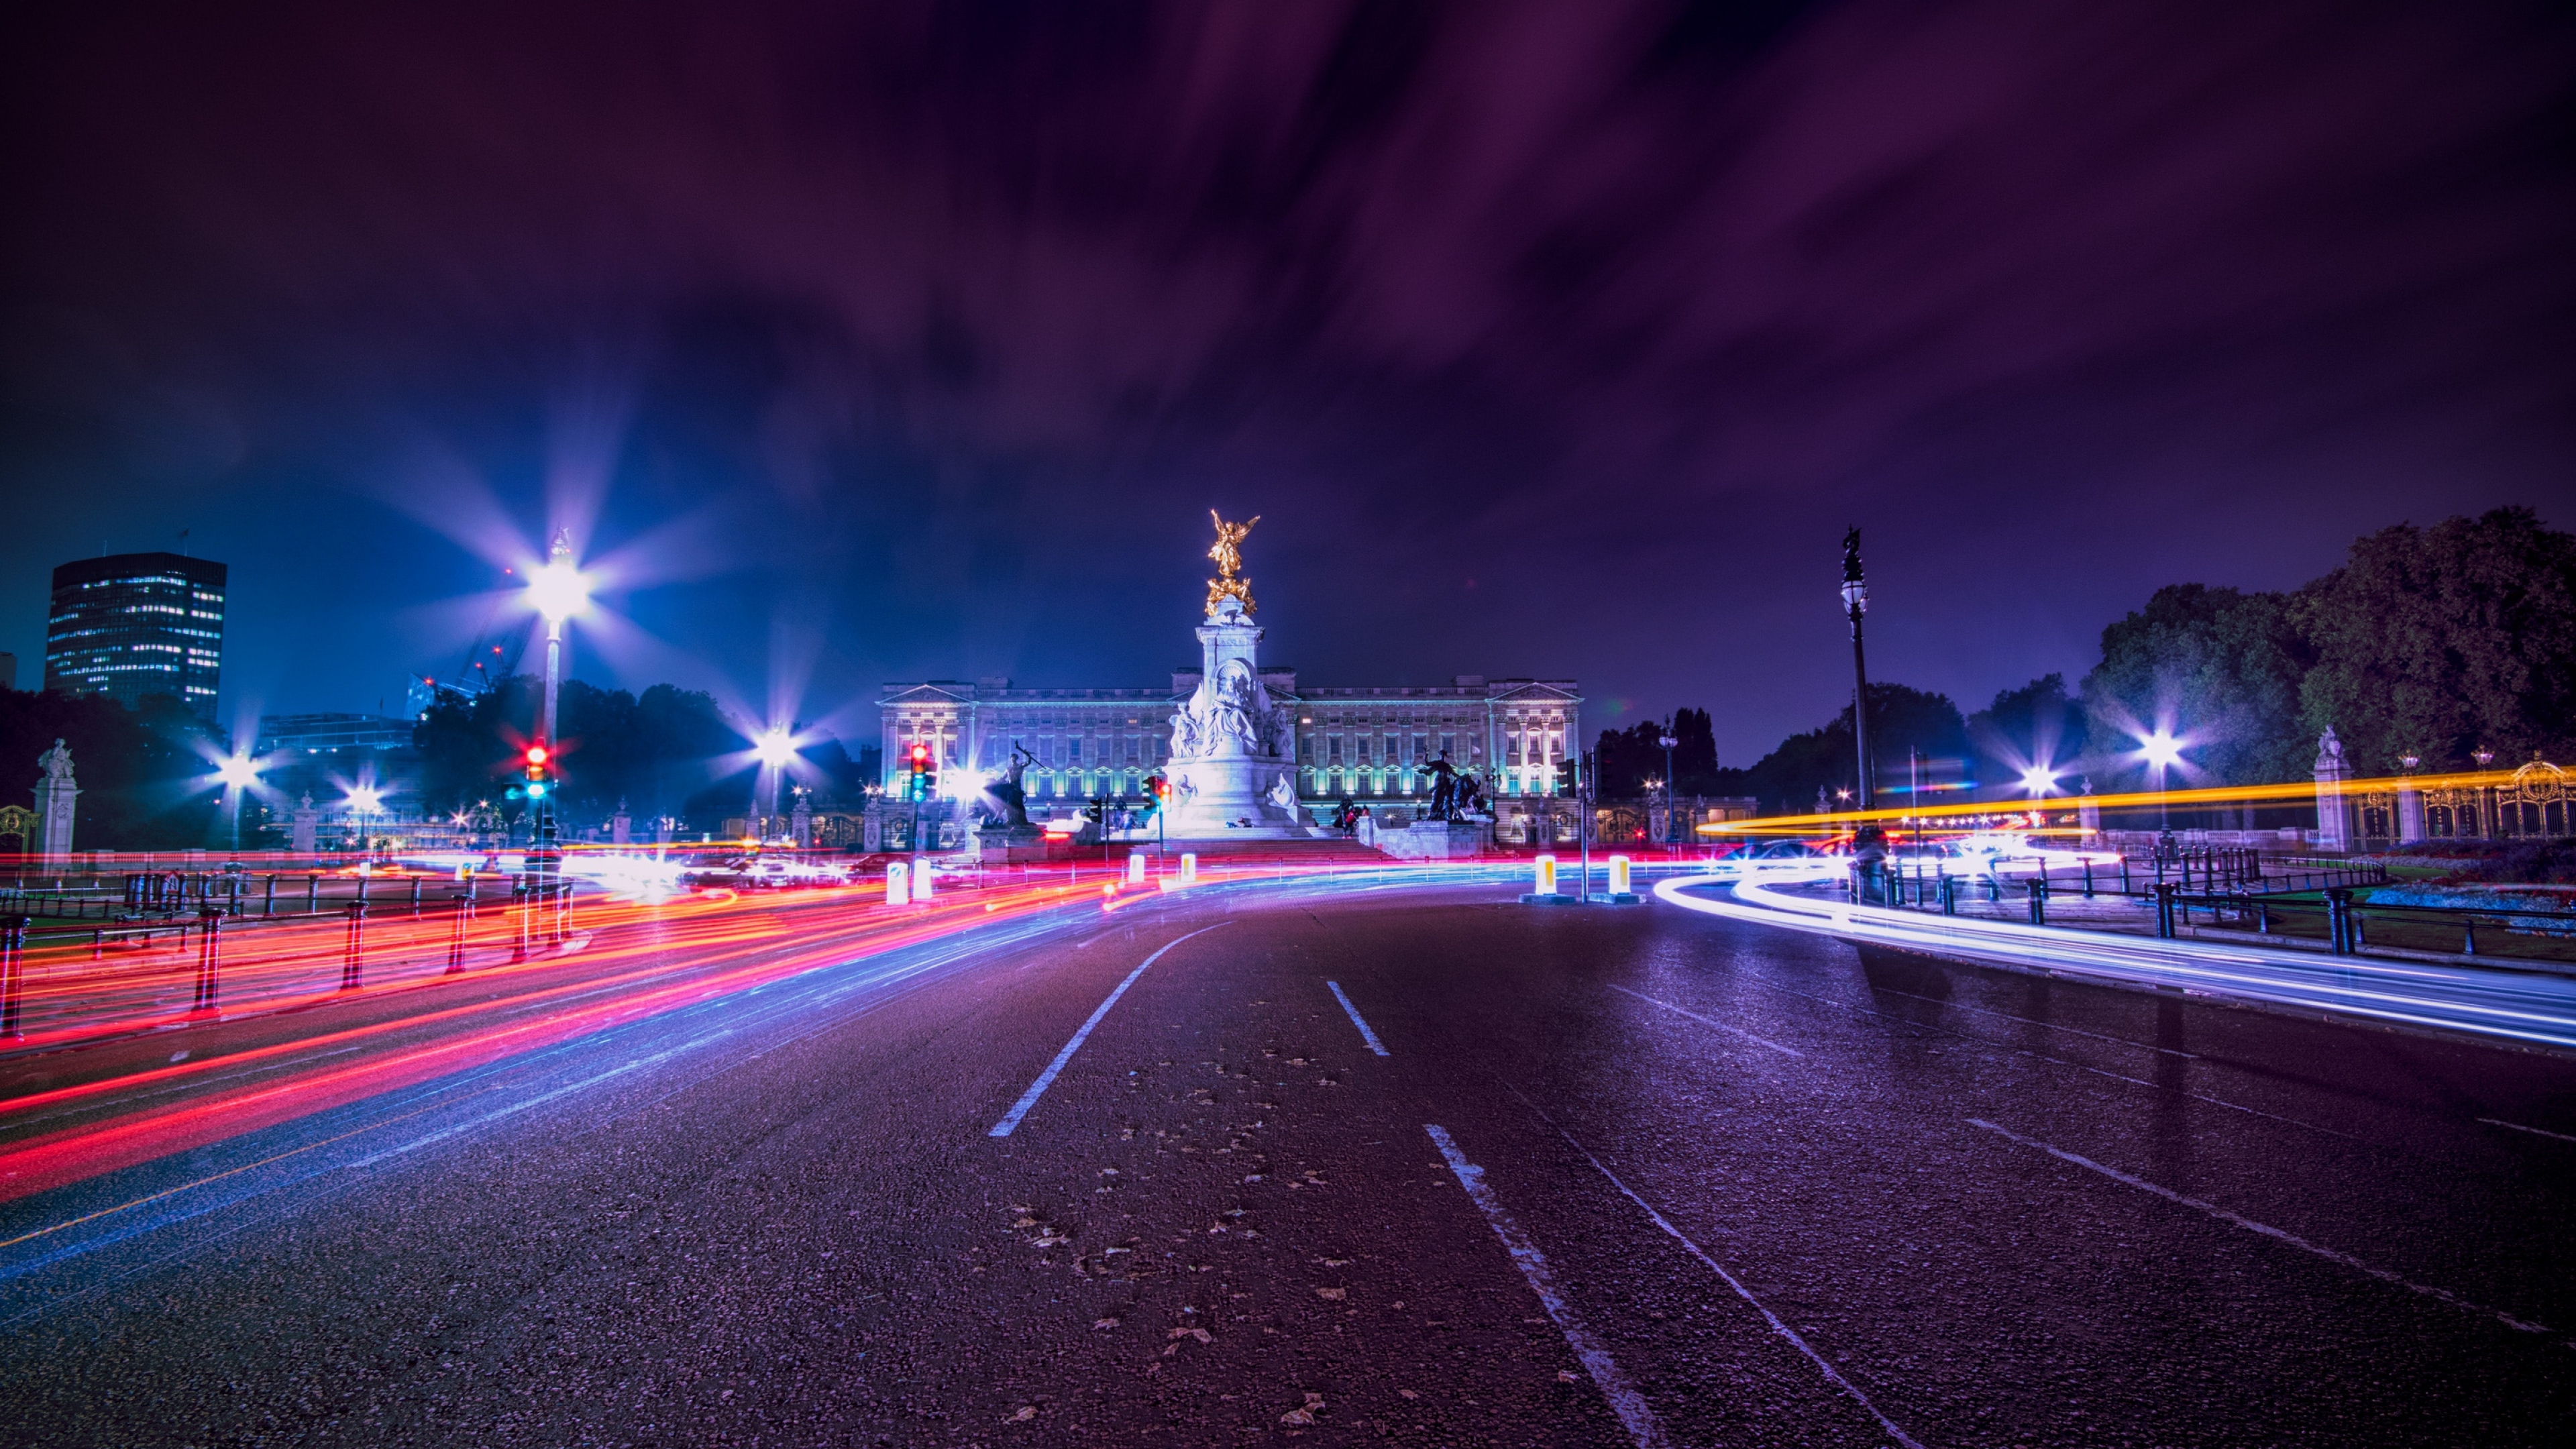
<point>536,755</point>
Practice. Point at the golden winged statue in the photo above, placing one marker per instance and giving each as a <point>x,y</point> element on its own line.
<point>1228,553</point>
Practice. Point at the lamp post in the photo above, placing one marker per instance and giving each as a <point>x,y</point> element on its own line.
<point>238,774</point>
<point>559,591</point>
<point>1855,604</point>
<point>1672,825</point>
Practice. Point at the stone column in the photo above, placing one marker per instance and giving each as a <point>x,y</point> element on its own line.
<point>801,822</point>
<point>621,826</point>
<point>305,819</point>
<point>2410,808</point>
<point>55,794</point>
<point>2332,770</point>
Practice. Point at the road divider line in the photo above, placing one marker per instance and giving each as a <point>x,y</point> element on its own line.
<point>1019,1109</point>
<point>1784,1330</point>
<point>1704,1021</point>
<point>2276,1234</point>
<point>2534,1131</point>
<point>1624,1399</point>
<point>1353,1012</point>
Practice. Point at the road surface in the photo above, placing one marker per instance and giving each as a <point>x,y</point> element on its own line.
<point>1415,1166</point>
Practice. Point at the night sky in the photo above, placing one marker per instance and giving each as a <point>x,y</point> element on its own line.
<point>881,342</point>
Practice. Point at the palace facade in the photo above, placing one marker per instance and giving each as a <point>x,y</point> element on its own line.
<point>1370,744</point>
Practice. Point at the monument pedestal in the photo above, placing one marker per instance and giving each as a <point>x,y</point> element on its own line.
<point>1437,840</point>
<point>1016,845</point>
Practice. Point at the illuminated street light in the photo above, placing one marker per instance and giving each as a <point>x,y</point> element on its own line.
<point>559,590</point>
<point>2162,752</point>
<point>775,749</point>
<point>776,746</point>
<point>556,588</point>
<point>2038,780</point>
<point>237,772</point>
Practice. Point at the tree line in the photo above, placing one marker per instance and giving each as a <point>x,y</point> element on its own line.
<point>2435,642</point>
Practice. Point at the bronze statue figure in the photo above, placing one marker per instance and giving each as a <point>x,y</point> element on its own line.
<point>1228,553</point>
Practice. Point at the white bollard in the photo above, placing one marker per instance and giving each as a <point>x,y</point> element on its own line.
<point>1190,867</point>
<point>924,882</point>
<point>898,891</point>
<point>1545,884</point>
<point>1135,870</point>
<point>1619,876</point>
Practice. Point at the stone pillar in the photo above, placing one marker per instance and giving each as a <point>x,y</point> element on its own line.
<point>305,819</point>
<point>55,795</point>
<point>2332,770</point>
<point>621,826</point>
<point>2088,814</point>
<point>2410,810</point>
<point>801,821</point>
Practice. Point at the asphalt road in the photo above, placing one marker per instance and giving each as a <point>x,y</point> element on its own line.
<point>1621,1176</point>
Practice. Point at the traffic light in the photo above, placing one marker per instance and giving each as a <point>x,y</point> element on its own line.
<point>538,782</point>
<point>923,781</point>
<point>1158,790</point>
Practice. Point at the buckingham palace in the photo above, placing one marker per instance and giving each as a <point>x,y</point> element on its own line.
<point>1369,744</point>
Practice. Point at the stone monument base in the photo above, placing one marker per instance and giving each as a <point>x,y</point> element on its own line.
<point>1016,845</point>
<point>1437,840</point>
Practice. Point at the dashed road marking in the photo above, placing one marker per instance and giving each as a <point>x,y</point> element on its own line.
<point>1624,1399</point>
<point>1704,1021</point>
<point>1353,1012</point>
<point>1778,1327</point>
<point>1037,1089</point>
<point>2276,1234</point>
<point>2534,1131</point>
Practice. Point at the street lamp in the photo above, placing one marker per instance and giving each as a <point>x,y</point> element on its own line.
<point>2038,780</point>
<point>775,748</point>
<point>237,774</point>
<point>1672,827</point>
<point>1855,604</point>
<point>2162,752</point>
<point>558,589</point>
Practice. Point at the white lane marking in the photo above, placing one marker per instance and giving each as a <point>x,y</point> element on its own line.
<point>1037,1089</point>
<point>1353,1012</point>
<point>1965,1036</point>
<point>1778,1327</point>
<point>2276,1234</point>
<point>2534,1131</point>
<point>1625,1401</point>
<point>2034,1021</point>
<point>1704,1021</point>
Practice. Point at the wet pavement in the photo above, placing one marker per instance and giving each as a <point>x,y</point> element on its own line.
<point>1419,1167</point>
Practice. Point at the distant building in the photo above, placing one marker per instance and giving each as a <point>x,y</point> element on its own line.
<point>8,670</point>
<point>136,624</point>
<point>327,734</point>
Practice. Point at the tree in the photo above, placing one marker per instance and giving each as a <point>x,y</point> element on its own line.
<point>2439,641</point>
<point>1900,717</point>
<point>2036,725</point>
<point>2217,668</point>
<point>144,771</point>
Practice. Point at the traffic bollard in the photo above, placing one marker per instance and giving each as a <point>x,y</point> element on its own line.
<point>1543,879</point>
<point>2165,891</point>
<point>13,973</point>
<point>2039,901</point>
<point>209,948</point>
<point>456,937</point>
<point>519,909</point>
<point>898,883</point>
<point>352,967</point>
<point>2339,920</point>
<point>1189,867</point>
<point>1135,869</point>
<point>312,894</point>
<point>923,882</point>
